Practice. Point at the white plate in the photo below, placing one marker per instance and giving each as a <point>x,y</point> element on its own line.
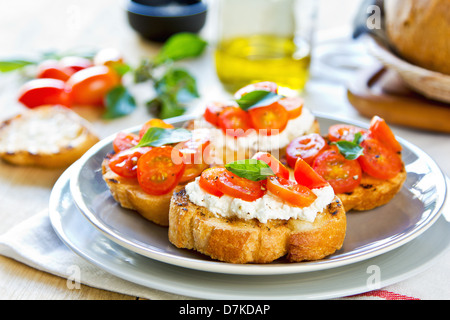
<point>397,265</point>
<point>414,209</point>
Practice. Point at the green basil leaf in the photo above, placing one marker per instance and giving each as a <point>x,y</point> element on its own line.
<point>180,46</point>
<point>119,103</point>
<point>348,149</point>
<point>144,71</point>
<point>251,169</point>
<point>156,137</point>
<point>257,98</point>
<point>14,64</point>
<point>178,83</point>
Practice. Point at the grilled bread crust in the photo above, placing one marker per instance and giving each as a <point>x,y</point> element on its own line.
<point>21,137</point>
<point>249,241</point>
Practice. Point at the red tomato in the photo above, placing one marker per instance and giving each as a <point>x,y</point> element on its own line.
<point>156,172</point>
<point>293,105</point>
<point>90,86</point>
<point>380,130</point>
<point>38,92</point>
<point>277,167</point>
<point>342,174</point>
<point>124,141</point>
<point>75,63</point>
<point>54,70</point>
<point>305,147</point>
<point>154,123</point>
<point>195,155</point>
<point>212,112</point>
<point>379,161</point>
<point>237,187</point>
<point>271,119</point>
<point>108,56</point>
<point>263,86</point>
<point>291,192</point>
<point>234,121</point>
<point>208,180</point>
<point>124,163</point>
<point>305,175</point>
<point>344,132</point>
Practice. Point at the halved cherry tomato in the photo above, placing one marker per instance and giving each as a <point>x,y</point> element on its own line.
<point>264,86</point>
<point>296,194</point>
<point>344,132</point>
<point>234,121</point>
<point>271,119</point>
<point>124,141</point>
<point>238,187</point>
<point>158,123</point>
<point>293,105</point>
<point>305,175</point>
<point>212,112</point>
<point>306,147</point>
<point>380,130</point>
<point>379,161</point>
<point>75,63</point>
<point>277,167</point>
<point>156,172</point>
<point>208,180</point>
<point>342,174</point>
<point>195,153</point>
<point>90,86</point>
<point>38,92</point>
<point>54,70</point>
<point>124,163</point>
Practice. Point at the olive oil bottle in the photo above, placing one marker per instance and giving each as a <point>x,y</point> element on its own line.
<point>243,60</point>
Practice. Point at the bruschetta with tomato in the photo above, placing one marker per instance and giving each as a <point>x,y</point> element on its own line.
<point>251,211</point>
<point>258,119</point>
<point>364,167</point>
<point>144,169</point>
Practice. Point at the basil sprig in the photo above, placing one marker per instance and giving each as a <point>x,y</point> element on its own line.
<point>157,137</point>
<point>251,169</point>
<point>257,98</point>
<point>351,150</point>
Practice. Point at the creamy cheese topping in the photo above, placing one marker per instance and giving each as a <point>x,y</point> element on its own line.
<point>255,141</point>
<point>265,208</point>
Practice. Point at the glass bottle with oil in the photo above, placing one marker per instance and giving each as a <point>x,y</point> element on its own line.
<point>264,40</point>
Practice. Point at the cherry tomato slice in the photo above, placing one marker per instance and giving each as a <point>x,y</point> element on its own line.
<point>293,105</point>
<point>212,112</point>
<point>380,130</point>
<point>291,192</point>
<point>54,70</point>
<point>208,180</point>
<point>344,132</point>
<point>38,92</point>
<point>124,141</point>
<point>264,86</point>
<point>277,167</point>
<point>124,163</point>
<point>158,123</point>
<point>306,147</point>
<point>234,121</point>
<point>342,174</point>
<point>156,172</point>
<point>379,161</point>
<point>268,120</point>
<point>237,187</point>
<point>305,175</point>
<point>90,86</point>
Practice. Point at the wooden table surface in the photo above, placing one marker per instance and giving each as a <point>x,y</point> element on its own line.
<point>32,26</point>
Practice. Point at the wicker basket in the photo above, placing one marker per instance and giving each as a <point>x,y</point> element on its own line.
<point>433,85</point>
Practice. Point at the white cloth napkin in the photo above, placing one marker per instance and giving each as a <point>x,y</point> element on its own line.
<point>34,243</point>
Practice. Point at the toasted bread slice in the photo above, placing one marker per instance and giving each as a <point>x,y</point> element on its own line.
<point>250,241</point>
<point>372,192</point>
<point>130,195</point>
<point>47,136</point>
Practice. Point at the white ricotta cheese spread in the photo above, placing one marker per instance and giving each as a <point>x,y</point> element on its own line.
<point>265,208</point>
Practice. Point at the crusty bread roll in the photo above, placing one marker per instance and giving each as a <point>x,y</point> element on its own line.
<point>419,31</point>
<point>47,136</point>
<point>250,241</point>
